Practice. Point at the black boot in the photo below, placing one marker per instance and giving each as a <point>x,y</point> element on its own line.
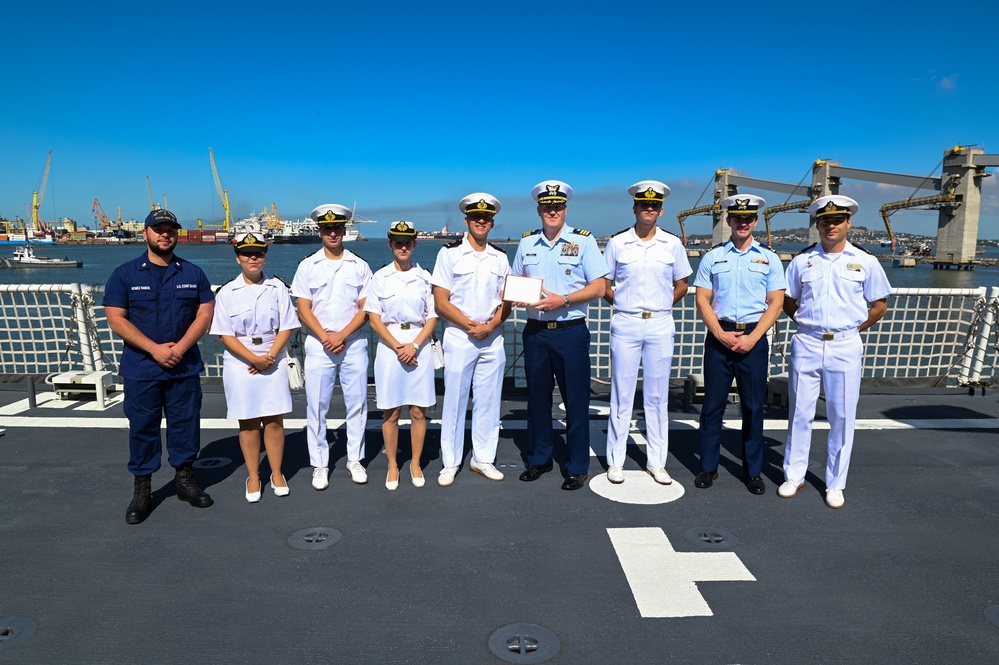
<point>138,509</point>
<point>188,490</point>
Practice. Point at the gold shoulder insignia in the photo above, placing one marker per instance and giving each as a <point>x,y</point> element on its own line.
<point>531,233</point>
<point>581,232</point>
<point>453,244</point>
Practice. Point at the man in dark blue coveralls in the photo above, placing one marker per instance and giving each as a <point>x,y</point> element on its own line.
<point>161,305</point>
<point>740,289</point>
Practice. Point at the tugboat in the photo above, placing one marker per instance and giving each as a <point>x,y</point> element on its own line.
<point>24,257</point>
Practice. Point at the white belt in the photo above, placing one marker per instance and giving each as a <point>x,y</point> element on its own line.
<point>265,338</point>
<point>828,335</point>
<point>647,315</point>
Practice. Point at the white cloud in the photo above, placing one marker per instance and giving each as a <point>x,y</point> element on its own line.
<point>947,82</point>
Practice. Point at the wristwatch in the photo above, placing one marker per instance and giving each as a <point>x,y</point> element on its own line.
<point>566,303</point>
<point>416,345</point>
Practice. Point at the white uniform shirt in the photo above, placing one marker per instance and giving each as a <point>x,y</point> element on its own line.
<point>644,272</point>
<point>334,287</point>
<point>833,290</point>
<point>401,296</point>
<point>248,310</point>
<point>475,279</point>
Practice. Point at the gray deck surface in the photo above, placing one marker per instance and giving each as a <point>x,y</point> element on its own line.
<point>904,573</point>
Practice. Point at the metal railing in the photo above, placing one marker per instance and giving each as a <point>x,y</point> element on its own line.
<point>937,336</point>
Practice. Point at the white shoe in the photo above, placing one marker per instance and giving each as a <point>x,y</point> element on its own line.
<point>251,497</point>
<point>487,470</point>
<point>446,477</point>
<point>280,491</point>
<point>418,481</point>
<point>320,477</point>
<point>357,472</point>
<point>834,498</point>
<point>391,485</point>
<point>659,475</point>
<point>615,474</point>
<point>789,488</point>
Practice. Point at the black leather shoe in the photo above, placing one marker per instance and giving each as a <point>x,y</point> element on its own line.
<point>535,471</point>
<point>188,490</point>
<point>704,479</point>
<point>138,509</point>
<point>756,485</point>
<point>576,481</point>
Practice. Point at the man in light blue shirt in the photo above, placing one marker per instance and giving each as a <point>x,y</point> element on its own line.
<point>556,338</point>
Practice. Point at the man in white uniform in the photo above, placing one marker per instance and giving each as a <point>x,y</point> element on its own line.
<point>468,282</point>
<point>649,270</point>
<point>331,286</point>
<point>829,286</point>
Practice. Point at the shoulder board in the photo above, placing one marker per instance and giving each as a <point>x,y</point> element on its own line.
<point>581,232</point>
<point>453,244</point>
<point>496,247</point>
<point>223,285</point>
<point>863,249</point>
<point>812,246</point>
<point>668,232</point>
<point>621,231</point>
<point>531,233</point>
<point>281,280</point>
<point>305,257</point>
<point>717,246</point>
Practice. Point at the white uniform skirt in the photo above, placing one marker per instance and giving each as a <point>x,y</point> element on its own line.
<point>255,395</point>
<point>400,385</point>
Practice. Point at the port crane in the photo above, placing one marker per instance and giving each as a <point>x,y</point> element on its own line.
<point>149,190</point>
<point>222,193</point>
<point>37,196</point>
<point>102,218</point>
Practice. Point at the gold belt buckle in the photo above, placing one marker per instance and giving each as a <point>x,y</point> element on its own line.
<point>405,326</point>
<point>740,326</point>
<point>552,325</point>
<point>646,315</point>
<point>828,336</point>
<point>257,340</point>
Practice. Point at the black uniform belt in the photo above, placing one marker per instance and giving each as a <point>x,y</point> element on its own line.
<point>554,325</point>
<point>732,325</point>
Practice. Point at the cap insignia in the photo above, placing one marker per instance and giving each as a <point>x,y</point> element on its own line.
<point>742,204</point>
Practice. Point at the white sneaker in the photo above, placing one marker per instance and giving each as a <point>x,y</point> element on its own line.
<point>789,488</point>
<point>615,474</point>
<point>834,498</point>
<point>659,475</point>
<point>487,470</point>
<point>357,472</point>
<point>320,477</point>
<point>446,477</point>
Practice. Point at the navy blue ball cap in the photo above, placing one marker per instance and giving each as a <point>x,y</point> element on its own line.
<point>161,216</point>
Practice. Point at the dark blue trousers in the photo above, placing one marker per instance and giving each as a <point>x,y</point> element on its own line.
<point>563,356</point>
<point>145,404</point>
<point>749,370</point>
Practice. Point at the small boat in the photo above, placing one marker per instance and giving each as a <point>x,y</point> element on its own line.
<point>24,257</point>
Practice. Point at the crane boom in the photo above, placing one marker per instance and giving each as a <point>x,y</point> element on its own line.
<point>103,219</point>
<point>783,207</point>
<point>223,193</point>
<point>947,196</point>
<point>684,214</point>
<point>149,190</point>
<point>36,197</point>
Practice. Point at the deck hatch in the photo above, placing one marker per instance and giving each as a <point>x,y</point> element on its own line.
<point>314,538</point>
<point>523,643</point>
<point>14,630</point>
<point>711,538</point>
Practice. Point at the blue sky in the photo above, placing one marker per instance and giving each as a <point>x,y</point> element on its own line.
<point>404,108</point>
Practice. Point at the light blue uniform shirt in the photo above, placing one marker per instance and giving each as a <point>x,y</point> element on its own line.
<point>739,281</point>
<point>565,266</point>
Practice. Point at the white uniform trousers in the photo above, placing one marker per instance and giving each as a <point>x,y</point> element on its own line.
<point>321,369</point>
<point>470,362</point>
<point>834,365</point>
<point>649,341</point>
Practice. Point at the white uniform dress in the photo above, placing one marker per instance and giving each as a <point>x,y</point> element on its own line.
<point>832,292</point>
<point>254,314</point>
<point>336,289</point>
<point>404,302</point>
<point>475,280</point>
<point>642,331</point>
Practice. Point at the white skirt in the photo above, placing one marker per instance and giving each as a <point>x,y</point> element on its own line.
<point>255,395</point>
<point>400,385</point>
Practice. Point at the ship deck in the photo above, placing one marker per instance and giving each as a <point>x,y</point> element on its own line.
<point>636,573</point>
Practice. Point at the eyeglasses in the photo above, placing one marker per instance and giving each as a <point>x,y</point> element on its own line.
<point>251,255</point>
<point>338,229</point>
<point>655,205</point>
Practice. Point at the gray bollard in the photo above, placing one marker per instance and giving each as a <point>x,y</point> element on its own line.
<point>32,402</point>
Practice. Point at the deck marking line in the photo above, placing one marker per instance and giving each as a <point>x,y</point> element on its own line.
<point>638,489</point>
<point>664,581</point>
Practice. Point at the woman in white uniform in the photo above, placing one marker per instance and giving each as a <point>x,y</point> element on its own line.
<point>254,318</point>
<point>401,311</point>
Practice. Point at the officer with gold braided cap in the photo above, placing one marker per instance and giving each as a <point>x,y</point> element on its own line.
<point>468,284</point>
<point>829,286</point>
<point>331,287</point>
<point>648,275</point>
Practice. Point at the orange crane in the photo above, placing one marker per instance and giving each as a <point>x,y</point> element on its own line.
<point>102,218</point>
<point>36,199</point>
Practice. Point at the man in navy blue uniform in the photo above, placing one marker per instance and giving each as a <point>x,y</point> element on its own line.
<point>740,289</point>
<point>161,305</point>
<point>556,338</point>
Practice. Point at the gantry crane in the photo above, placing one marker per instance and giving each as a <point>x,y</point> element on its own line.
<point>223,193</point>
<point>149,190</point>
<point>947,196</point>
<point>36,198</point>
